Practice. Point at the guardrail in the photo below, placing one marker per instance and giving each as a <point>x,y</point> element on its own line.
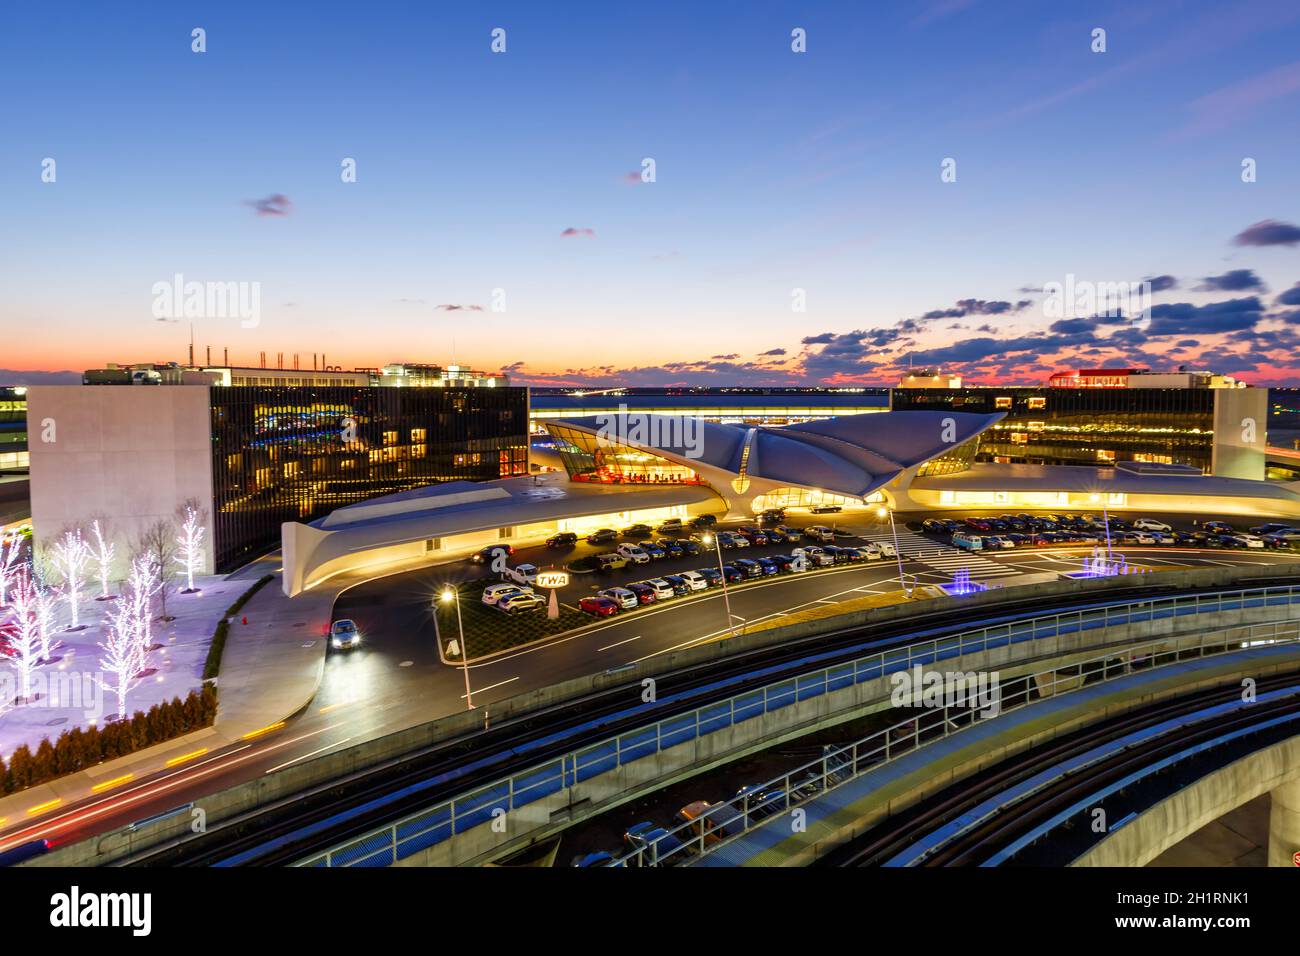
<point>765,802</point>
<point>415,832</point>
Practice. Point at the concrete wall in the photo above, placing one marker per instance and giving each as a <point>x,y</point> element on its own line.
<point>128,455</point>
<point>1240,432</point>
<point>1177,817</point>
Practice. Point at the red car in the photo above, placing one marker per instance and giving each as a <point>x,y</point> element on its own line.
<point>598,606</point>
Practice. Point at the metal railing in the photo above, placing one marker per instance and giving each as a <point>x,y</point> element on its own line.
<point>766,802</point>
<point>415,832</point>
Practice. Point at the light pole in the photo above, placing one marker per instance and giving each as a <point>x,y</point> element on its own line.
<point>880,513</point>
<point>451,594</point>
<point>726,597</point>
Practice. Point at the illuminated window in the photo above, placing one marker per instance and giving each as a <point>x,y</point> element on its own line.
<point>1037,402</point>
<point>1002,401</point>
<point>417,435</point>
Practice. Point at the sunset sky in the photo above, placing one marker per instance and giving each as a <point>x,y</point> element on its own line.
<point>775,171</point>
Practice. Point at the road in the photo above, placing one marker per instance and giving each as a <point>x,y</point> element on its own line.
<point>396,680</point>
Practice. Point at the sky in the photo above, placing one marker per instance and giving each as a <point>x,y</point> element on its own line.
<point>904,191</point>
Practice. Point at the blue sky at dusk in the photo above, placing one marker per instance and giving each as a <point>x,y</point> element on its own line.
<point>775,171</point>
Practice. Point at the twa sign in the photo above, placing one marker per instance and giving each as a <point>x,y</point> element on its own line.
<point>552,579</point>
<point>1295,858</point>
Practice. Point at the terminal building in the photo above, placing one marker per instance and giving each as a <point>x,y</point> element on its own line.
<point>253,456</point>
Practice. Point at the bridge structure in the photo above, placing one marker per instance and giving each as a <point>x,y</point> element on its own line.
<point>480,796</point>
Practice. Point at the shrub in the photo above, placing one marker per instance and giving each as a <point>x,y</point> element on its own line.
<point>77,749</point>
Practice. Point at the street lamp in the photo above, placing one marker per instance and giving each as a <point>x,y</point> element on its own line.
<point>451,594</point>
<point>726,597</point>
<point>881,512</point>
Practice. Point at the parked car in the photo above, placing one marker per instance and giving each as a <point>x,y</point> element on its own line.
<point>610,561</point>
<point>814,556</point>
<point>598,606</point>
<point>672,547</point>
<point>819,532</point>
<point>655,842</point>
<point>972,542</point>
<point>769,566</point>
<point>712,576</point>
<point>565,539</point>
<point>603,536</point>
<point>656,553</point>
<point>670,526</point>
<point>826,509</point>
<point>871,551</point>
<point>704,521</point>
<point>495,592</point>
<point>690,547</point>
<point>520,603</point>
<point>793,535</point>
<point>1271,528</point>
<point>638,531</point>
<point>772,516</point>
<point>624,598</point>
<point>995,542</point>
<point>634,553</point>
<point>775,536</point>
<point>662,588</point>
<point>752,535</point>
<point>678,584</point>
<point>521,574</point>
<point>933,526</point>
<point>783,562</point>
<point>486,555</point>
<point>838,555</point>
<point>644,593</point>
<point>732,574</point>
<point>1150,524</point>
<point>1218,527</point>
<point>748,567</point>
<point>344,635</point>
<point>1248,540</point>
<point>978,524</point>
<point>695,580</point>
<point>598,857</point>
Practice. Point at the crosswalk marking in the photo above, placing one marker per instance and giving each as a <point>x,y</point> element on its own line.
<point>941,557</point>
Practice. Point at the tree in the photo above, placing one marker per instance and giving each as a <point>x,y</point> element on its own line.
<point>9,550</point>
<point>127,643</point>
<point>158,544</point>
<point>69,557</point>
<point>190,544</point>
<point>24,640</point>
<point>103,554</point>
<point>45,598</point>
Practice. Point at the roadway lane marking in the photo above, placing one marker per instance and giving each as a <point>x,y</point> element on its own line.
<point>483,690</point>
<point>310,755</point>
<point>620,643</point>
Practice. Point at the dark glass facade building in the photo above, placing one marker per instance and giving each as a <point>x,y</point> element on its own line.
<point>1080,426</point>
<point>297,453</point>
<point>13,429</point>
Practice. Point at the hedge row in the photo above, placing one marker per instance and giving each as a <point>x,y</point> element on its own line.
<point>79,749</point>
<point>218,646</point>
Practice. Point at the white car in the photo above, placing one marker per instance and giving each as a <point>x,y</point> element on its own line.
<point>661,588</point>
<point>518,603</point>
<point>1151,524</point>
<point>813,555</point>
<point>819,532</point>
<point>887,549</point>
<point>344,635</point>
<point>525,574</point>
<point>620,596</point>
<point>736,540</point>
<point>633,553</point>
<point>696,580</point>
<point>1141,537</point>
<point>1248,540</point>
<point>873,551</point>
<point>495,592</point>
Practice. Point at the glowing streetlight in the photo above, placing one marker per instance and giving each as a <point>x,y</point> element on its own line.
<point>450,594</point>
<point>726,596</point>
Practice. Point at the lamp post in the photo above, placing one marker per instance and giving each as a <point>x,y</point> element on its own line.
<point>726,597</point>
<point>881,512</point>
<point>451,594</point>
